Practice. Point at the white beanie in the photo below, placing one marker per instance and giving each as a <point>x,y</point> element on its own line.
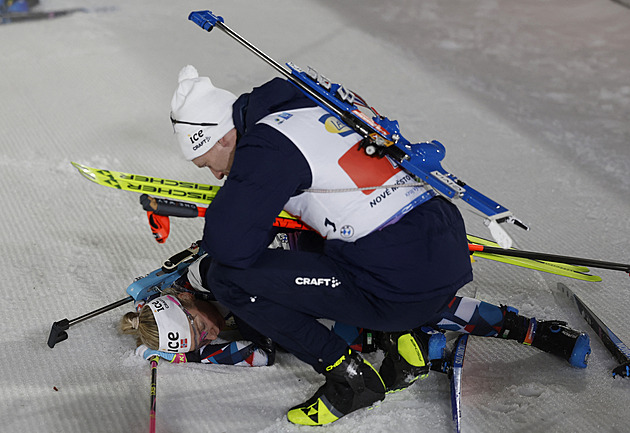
<point>173,324</point>
<point>196,100</point>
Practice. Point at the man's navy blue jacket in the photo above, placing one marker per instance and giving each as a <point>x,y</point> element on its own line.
<point>268,169</point>
<point>421,256</point>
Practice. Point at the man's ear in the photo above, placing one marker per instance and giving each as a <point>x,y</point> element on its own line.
<point>227,139</point>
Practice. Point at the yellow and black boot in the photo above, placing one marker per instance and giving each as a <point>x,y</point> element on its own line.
<point>406,358</point>
<point>351,384</point>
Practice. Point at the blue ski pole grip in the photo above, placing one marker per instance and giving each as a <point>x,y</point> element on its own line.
<point>205,19</point>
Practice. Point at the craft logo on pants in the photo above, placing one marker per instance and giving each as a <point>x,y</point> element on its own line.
<point>307,281</point>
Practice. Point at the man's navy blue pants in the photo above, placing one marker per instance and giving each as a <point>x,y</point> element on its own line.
<point>394,279</point>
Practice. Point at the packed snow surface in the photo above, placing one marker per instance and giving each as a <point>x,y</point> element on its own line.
<point>531,99</point>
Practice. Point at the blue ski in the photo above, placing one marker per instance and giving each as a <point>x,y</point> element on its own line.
<point>456,381</point>
<point>615,346</point>
<point>452,363</point>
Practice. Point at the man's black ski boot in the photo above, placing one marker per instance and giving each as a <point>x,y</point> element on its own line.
<point>351,384</point>
<point>551,336</point>
<point>406,358</point>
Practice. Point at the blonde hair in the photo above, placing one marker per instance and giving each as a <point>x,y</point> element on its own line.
<point>142,324</point>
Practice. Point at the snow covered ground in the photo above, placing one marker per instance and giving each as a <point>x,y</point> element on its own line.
<point>531,99</point>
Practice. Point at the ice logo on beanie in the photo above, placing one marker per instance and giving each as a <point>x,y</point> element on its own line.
<point>199,135</point>
<point>196,136</point>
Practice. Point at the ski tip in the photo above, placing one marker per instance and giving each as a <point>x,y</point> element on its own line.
<point>562,294</point>
<point>84,170</point>
<point>563,288</point>
<point>78,166</point>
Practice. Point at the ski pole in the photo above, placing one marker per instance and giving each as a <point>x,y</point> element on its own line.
<point>173,208</point>
<point>154,363</point>
<point>578,261</point>
<point>141,288</point>
<point>58,331</point>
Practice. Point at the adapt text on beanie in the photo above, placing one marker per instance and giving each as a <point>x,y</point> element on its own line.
<point>197,100</point>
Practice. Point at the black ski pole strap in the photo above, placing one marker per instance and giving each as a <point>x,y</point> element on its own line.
<point>189,254</point>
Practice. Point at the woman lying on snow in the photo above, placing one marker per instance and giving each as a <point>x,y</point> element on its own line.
<point>186,324</point>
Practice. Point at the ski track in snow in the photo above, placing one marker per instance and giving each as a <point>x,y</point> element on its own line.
<point>531,100</point>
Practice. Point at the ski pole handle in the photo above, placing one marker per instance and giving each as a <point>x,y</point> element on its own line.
<point>166,207</point>
<point>205,19</point>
